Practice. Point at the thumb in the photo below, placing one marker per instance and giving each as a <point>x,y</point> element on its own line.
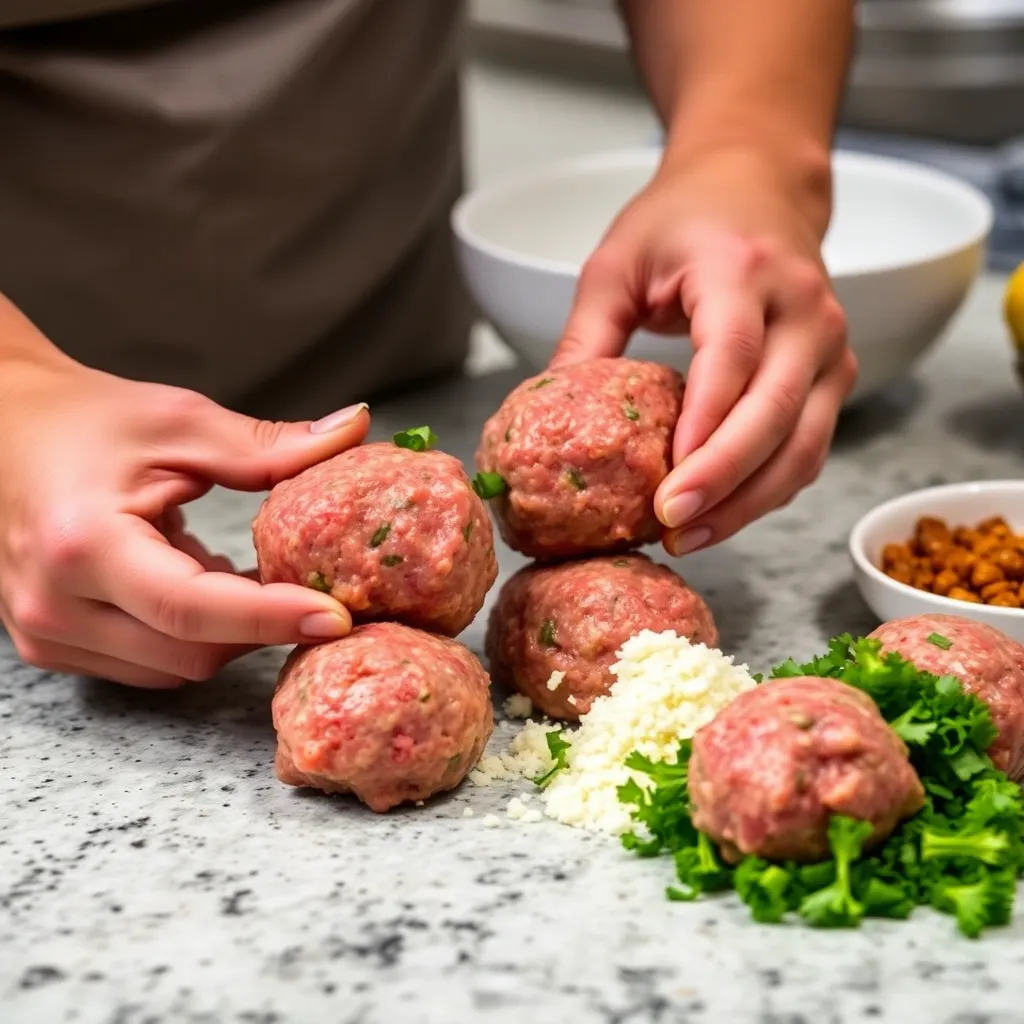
<point>247,454</point>
<point>604,312</point>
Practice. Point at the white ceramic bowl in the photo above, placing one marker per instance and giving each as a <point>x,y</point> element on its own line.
<point>904,247</point>
<point>894,521</point>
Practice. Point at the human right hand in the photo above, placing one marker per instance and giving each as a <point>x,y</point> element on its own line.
<point>98,575</point>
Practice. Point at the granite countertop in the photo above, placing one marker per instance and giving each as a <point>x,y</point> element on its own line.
<point>153,870</point>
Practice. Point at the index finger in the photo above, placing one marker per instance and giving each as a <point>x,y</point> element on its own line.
<point>727,329</point>
<point>171,592</point>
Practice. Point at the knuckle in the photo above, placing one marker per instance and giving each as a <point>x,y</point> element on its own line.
<point>33,651</point>
<point>174,411</point>
<point>64,545</point>
<point>31,612</point>
<point>807,283</point>
<point>176,617</point>
<point>267,433</point>
<point>197,665</point>
<point>754,254</point>
<point>809,457</point>
<point>744,343</point>
<point>849,370</point>
<point>787,403</point>
<point>833,320</point>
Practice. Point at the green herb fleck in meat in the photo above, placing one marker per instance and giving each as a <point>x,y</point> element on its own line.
<point>391,560</point>
<point>557,748</point>
<point>508,433</point>
<point>424,696</point>
<point>543,382</point>
<point>417,439</point>
<point>467,531</point>
<point>453,762</point>
<point>940,641</point>
<point>380,535</point>
<point>621,563</point>
<point>489,485</point>
<point>575,477</point>
<point>547,637</point>
<point>317,581</point>
<point>632,412</point>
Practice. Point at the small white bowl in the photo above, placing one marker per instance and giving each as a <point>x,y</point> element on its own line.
<point>893,522</point>
<point>905,245</point>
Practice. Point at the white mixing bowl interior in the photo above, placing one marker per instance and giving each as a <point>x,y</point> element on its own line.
<point>904,246</point>
<point>887,213</point>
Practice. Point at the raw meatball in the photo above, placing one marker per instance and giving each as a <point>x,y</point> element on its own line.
<point>391,533</point>
<point>772,767</point>
<point>987,662</point>
<point>582,451</point>
<point>573,617</point>
<point>387,713</point>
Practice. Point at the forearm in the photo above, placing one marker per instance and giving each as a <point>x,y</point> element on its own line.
<point>760,73</point>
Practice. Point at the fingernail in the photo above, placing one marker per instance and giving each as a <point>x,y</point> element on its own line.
<point>323,625</point>
<point>681,508</point>
<point>689,540</point>
<point>337,419</point>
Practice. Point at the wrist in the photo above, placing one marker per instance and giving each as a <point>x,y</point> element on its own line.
<point>791,160</point>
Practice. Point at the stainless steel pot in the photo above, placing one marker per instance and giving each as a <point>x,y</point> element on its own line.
<point>950,69</point>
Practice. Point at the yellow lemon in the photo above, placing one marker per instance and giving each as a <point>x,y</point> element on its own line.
<point>1013,307</point>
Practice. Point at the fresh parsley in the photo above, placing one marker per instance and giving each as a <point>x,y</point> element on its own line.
<point>489,485</point>
<point>416,439</point>
<point>558,748</point>
<point>961,854</point>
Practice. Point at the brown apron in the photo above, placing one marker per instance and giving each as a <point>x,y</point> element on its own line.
<point>245,198</point>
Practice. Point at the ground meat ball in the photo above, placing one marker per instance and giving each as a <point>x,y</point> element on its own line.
<point>388,713</point>
<point>389,532</point>
<point>987,662</point>
<point>772,767</point>
<point>573,617</point>
<point>582,451</point>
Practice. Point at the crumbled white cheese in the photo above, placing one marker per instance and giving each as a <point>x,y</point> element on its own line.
<point>526,757</point>
<point>532,816</point>
<point>518,706</point>
<point>571,700</point>
<point>665,689</point>
<point>467,812</point>
<point>555,680</point>
<point>516,808</point>
<point>490,821</point>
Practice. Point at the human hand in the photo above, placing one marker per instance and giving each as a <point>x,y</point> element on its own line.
<point>98,575</point>
<point>723,247</point>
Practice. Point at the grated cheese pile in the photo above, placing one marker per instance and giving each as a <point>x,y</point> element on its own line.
<point>665,689</point>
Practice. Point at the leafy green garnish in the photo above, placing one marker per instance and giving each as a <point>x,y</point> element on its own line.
<point>940,641</point>
<point>558,748</point>
<point>835,906</point>
<point>489,485</point>
<point>380,535</point>
<point>575,477</point>
<point>318,581</point>
<point>961,853</point>
<point>547,635</point>
<point>417,439</point>
<point>980,904</point>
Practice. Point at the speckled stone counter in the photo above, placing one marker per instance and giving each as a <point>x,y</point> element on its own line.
<point>152,870</point>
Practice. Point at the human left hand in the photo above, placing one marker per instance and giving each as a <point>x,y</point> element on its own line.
<point>725,247</point>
